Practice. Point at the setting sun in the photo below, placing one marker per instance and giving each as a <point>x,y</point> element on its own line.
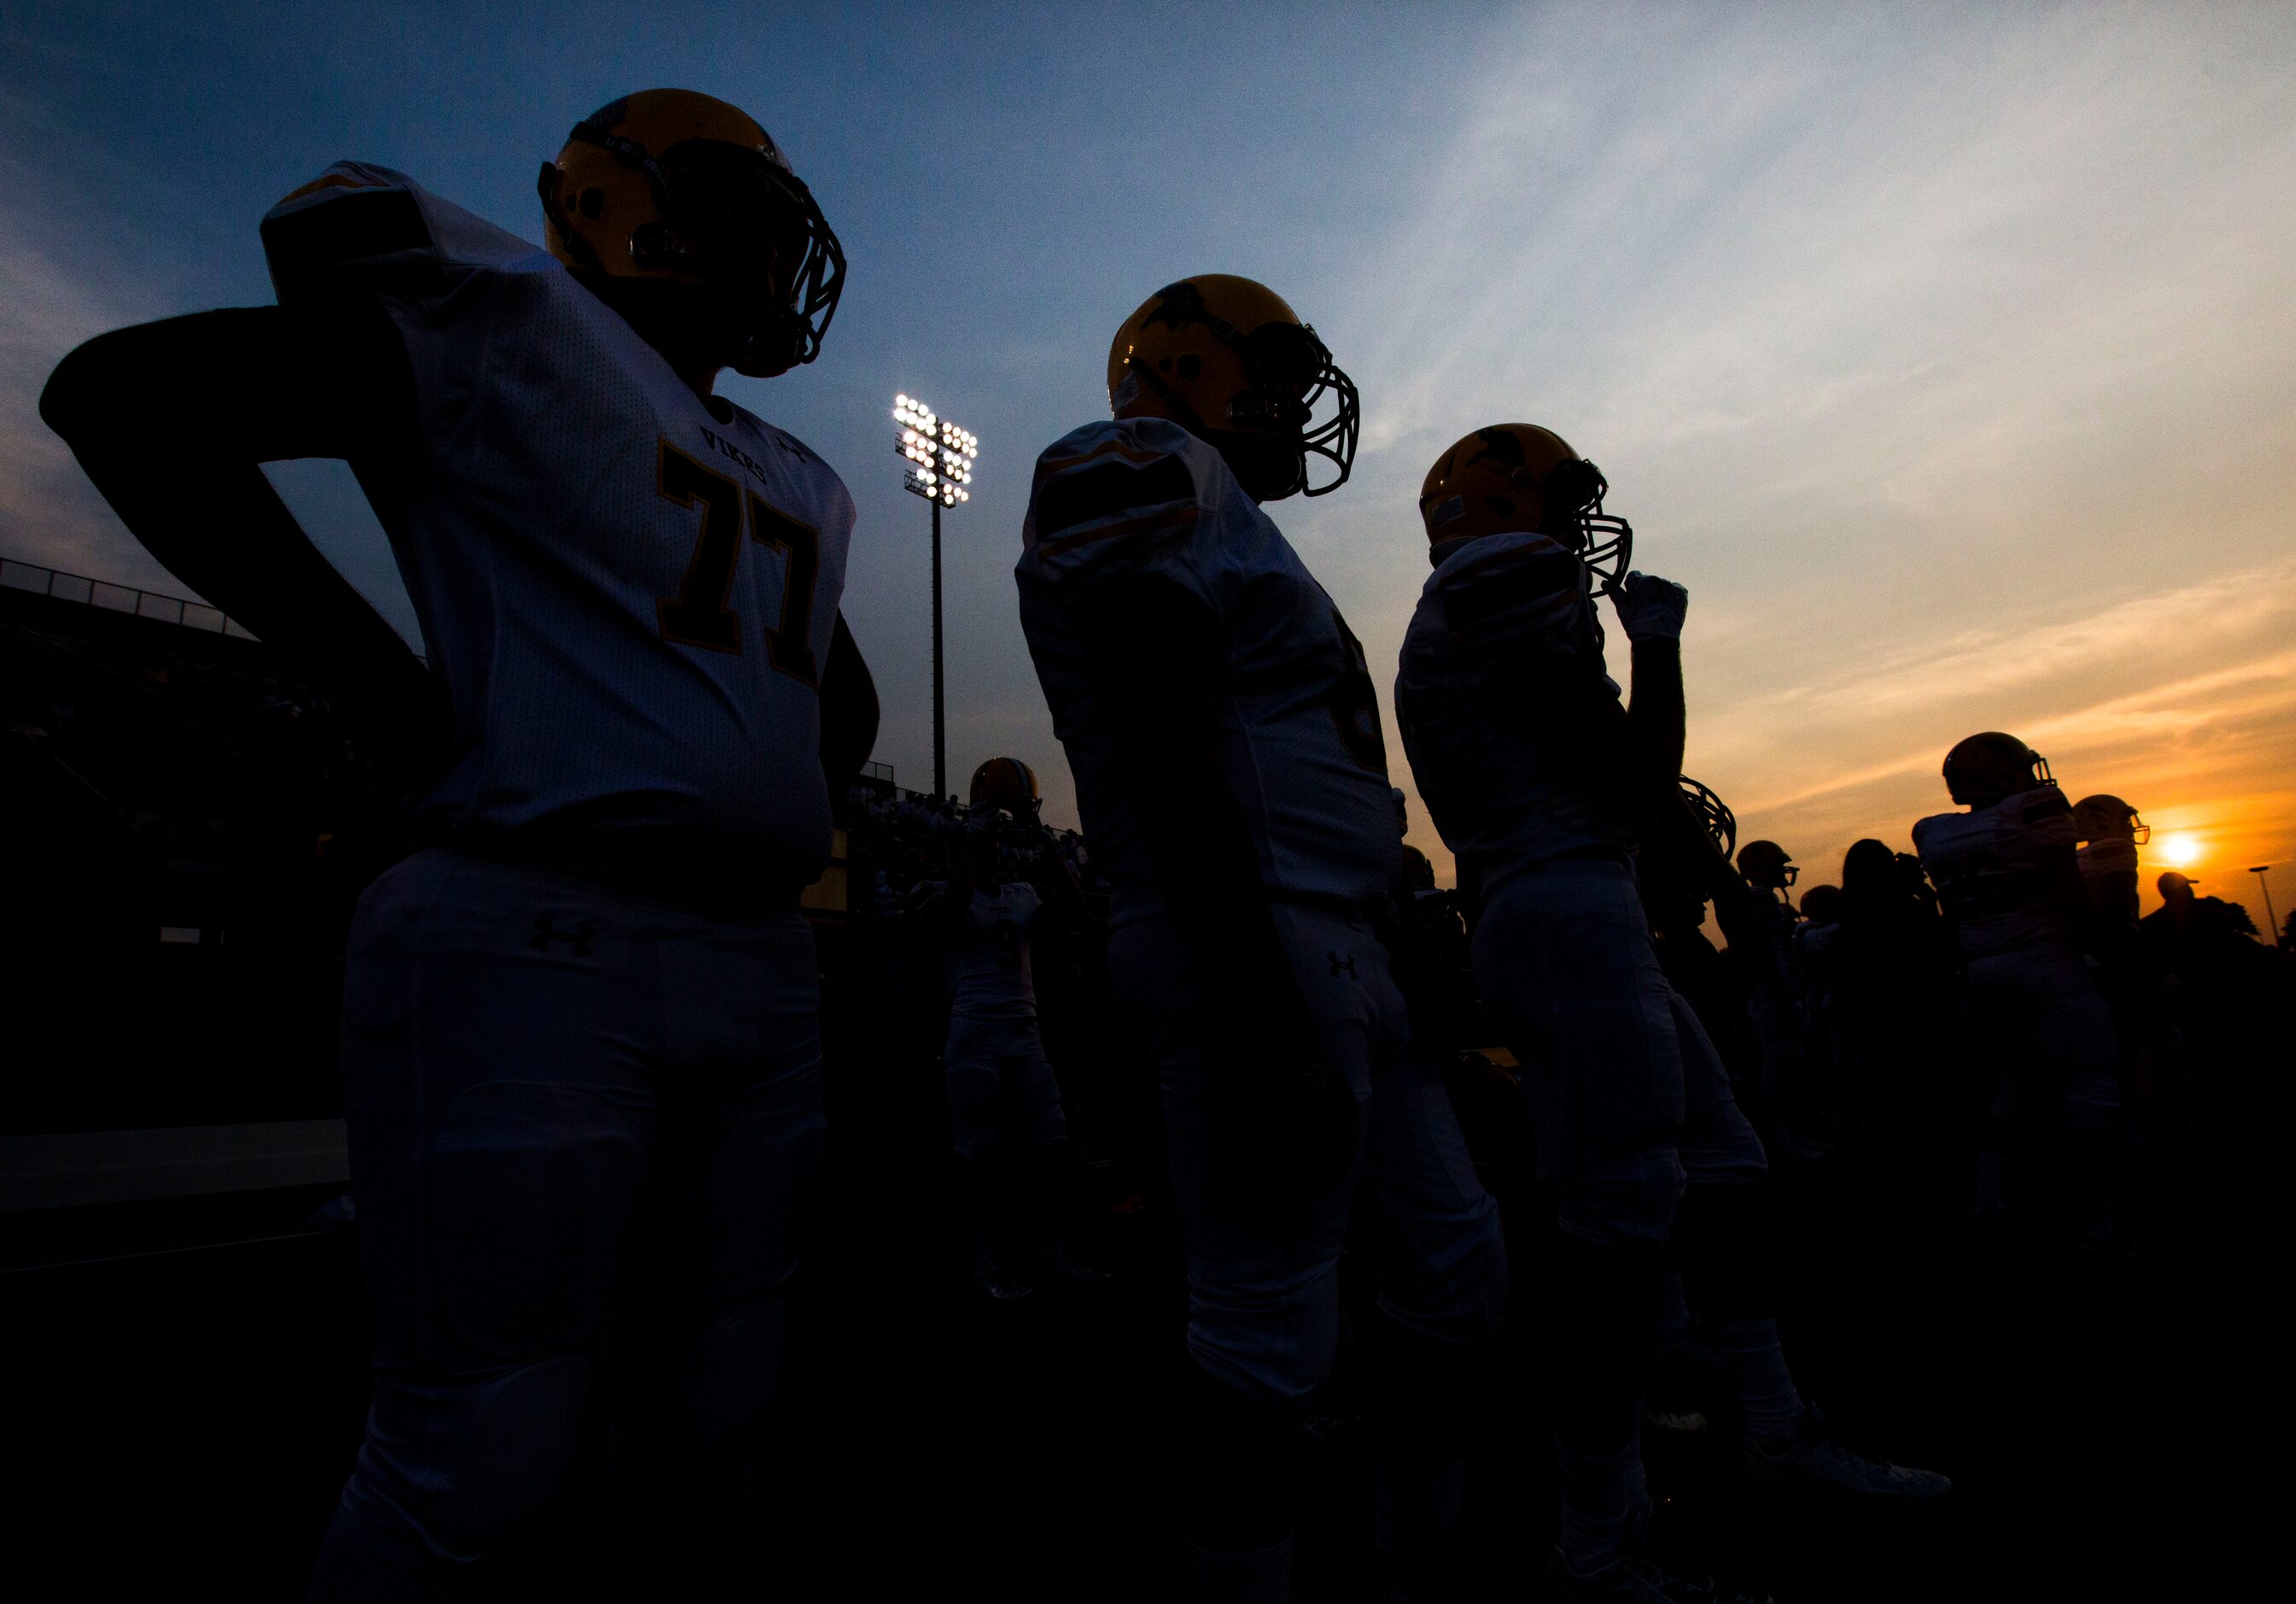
<point>2180,851</point>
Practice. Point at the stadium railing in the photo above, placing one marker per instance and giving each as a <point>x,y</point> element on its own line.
<point>119,598</point>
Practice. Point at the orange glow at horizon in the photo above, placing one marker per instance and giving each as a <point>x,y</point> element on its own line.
<point>2180,851</point>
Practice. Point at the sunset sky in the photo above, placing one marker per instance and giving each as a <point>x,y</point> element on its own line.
<point>1946,354</point>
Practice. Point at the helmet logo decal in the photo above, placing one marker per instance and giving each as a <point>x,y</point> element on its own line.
<point>1500,446</point>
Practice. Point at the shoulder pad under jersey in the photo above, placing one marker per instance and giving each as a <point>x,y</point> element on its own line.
<point>361,227</point>
<point>1108,494</point>
<point>353,219</point>
<point>2042,803</point>
<point>1511,588</point>
<point>2047,816</point>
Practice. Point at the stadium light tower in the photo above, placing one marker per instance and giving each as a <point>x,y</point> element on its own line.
<point>940,457</point>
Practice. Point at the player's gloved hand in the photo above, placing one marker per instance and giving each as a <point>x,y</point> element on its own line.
<point>1650,608</point>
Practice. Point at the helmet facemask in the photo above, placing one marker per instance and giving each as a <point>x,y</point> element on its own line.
<point>738,267</point>
<point>1572,494</point>
<point>1292,372</point>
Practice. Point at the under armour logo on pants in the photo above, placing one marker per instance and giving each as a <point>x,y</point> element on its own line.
<point>1342,963</point>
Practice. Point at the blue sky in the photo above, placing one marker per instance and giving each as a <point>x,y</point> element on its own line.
<point>1948,354</point>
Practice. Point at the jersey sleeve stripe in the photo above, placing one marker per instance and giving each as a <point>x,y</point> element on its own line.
<point>326,181</point>
<point>1049,465</point>
<point>1170,520</point>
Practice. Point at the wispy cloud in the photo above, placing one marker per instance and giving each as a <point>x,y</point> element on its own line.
<point>1937,355</point>
<point>55,291</point>
<point>2185,704</point>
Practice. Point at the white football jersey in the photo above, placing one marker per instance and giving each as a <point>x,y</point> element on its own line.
<point>629,591</point>
<point>985,951</point>
<point>1984,865</point>
<point>1498,614</point>
<point>1301,748</point>
<point>2112,856</point>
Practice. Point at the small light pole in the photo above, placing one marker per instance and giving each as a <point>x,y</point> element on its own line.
<point>2271,919</point>
<point>940,457</point>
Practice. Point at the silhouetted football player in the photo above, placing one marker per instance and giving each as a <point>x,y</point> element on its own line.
<point>1232,775</point>
<point>1542,784</point>
<point>999,1082</point>
<point>2006,872</point>
<point>2110,832</point>
<point>581,1051</point>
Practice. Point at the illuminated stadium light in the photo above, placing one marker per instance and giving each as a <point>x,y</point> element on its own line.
<point>939,455</point>
<point>942,453</point>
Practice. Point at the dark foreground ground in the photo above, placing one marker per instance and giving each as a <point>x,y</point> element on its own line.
<point>179,1421</point>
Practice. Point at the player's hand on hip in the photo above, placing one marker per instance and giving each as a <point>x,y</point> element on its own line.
<point>1650,608</point>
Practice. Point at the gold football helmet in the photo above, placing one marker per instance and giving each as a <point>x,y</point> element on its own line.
<point>1985,766</point>
<point>2105,818</point>
<point>1765,863</point>
<point>672,187</point>
<point>1229,361</point>
<point>1518,477</point>
<point>1007,783</point>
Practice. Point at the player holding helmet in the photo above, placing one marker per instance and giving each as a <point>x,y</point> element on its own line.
<point>2008,876</point>
<point>1542,784</point>
<point>591,990</point>
<point>1231,771</point>
<point>984,917</point>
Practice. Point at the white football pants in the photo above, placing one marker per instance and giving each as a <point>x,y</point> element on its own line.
<point>1263,1265</point>
<point>585,1131</point>
<point>998,1078</point>
<point>1628,1095</point>
<point>2052,1035</point>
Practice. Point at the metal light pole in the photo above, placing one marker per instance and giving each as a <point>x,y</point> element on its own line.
<point>940,457</point>
<point>2271,919</point>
